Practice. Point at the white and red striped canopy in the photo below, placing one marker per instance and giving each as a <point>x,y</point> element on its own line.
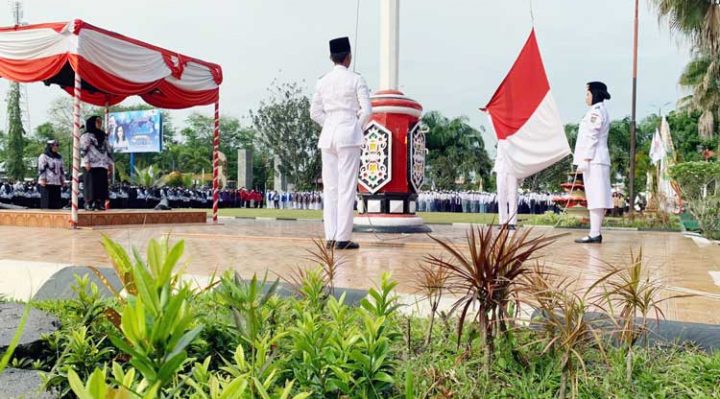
<point>112,66</point>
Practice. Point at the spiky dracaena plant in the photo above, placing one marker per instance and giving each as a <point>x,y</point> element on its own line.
<point>431,283</point>
<point>328,260</point>
<point>568,332</point>
<point>636,294</point>
<point>487,276</point>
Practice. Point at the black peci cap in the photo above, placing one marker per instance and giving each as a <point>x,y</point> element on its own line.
<point>340,45</point>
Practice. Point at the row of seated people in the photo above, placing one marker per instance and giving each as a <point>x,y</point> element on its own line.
<point>126,196</point>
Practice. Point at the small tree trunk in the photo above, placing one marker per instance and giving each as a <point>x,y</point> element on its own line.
<point>563,385</point>
<point>629,364</point>
<point>564,370</point>
<point>433,310</point>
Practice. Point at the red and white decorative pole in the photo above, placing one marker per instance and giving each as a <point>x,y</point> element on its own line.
<point>76,152</point>
<point>392,168</point>
<point>216,161</point>
<point>105,124</point>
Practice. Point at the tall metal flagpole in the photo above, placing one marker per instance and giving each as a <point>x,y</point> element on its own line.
<point>634,106</point>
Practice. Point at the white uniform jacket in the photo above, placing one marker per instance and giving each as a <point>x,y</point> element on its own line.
<point>341,105</point>
<point>592,139</point>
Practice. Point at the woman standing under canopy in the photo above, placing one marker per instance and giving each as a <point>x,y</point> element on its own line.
<point>51,176</point>
<point>98,163</point>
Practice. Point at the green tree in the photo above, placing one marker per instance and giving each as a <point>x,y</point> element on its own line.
<point>198,141</point>
<point>15,164</point>
<point>456,152</point>
<point>684,128</point>
<point>699,20</point>
<point>284,127</point>
<point>701,76</point>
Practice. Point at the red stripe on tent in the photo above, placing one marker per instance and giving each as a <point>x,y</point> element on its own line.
<point>56,26</point>
<point>169,96</point>
<point>521,92</point>
<point>105,81</point>
<point>33,70</point>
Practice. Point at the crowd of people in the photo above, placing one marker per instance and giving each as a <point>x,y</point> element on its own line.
<point>127,196</point>
<point>294,200</point>
<point>481,202</point>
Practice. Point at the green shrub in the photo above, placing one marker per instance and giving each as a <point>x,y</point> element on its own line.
<point>551,218</point>
<point>707,213</point>
<point>694,177</point>
<point>255,344</point>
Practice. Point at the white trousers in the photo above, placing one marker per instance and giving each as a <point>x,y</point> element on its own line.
<point>507,197</point>
<point>339,174</point>
<point>596,220</point>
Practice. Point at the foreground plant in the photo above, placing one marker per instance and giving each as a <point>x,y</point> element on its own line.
<point>487,276</point>
<point>157,324</point>
<point>636,294</point>
<point>328,260</point>
<point>248,302</point>
<point>432,284</point>
<point>569,332</point>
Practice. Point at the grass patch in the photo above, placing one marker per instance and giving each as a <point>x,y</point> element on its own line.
<point>429,217</point>
<point>547,219</point>
<point>270,213</point>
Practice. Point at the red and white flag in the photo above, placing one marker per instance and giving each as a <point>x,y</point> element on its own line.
<point>523,112</point>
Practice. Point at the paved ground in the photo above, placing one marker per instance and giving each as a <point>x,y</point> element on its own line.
<point>257,246</point>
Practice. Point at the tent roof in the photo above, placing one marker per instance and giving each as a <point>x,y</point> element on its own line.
<point>112,66</point>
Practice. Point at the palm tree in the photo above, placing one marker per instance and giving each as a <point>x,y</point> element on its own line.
<point>701,76</point>
<point>700,21</point>
<point>456,151</point>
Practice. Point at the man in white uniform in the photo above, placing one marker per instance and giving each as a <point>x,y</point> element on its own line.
<point>592,158</point>
<point>507,187</point>
<point>341,105</point>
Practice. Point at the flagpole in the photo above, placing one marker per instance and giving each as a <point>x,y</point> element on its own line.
<point>634,106</point>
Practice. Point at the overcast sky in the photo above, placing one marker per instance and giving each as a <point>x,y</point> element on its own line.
<point>453,53</point>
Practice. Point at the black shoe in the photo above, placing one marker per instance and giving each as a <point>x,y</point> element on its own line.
<point>512,227</point>
<point>329,244</point>
<point>89,207</point>
<point>100,206</point>
<point>346,245</point>
<point>590,240</point>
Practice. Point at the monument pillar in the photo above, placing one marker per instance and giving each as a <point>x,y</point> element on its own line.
<point>392,167</point>
<point>245,168</point>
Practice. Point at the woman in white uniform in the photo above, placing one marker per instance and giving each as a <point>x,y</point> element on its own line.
<point>507,187</point>
<point>592,158</point>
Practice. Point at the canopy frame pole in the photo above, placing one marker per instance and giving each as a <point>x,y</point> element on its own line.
<point>106,127</point>
<point>216,160</point>
<point>76,152</point>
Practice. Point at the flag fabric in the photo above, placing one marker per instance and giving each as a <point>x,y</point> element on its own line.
<point>523,112</point>
<point>669,189</point>
<point>657,148</point>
